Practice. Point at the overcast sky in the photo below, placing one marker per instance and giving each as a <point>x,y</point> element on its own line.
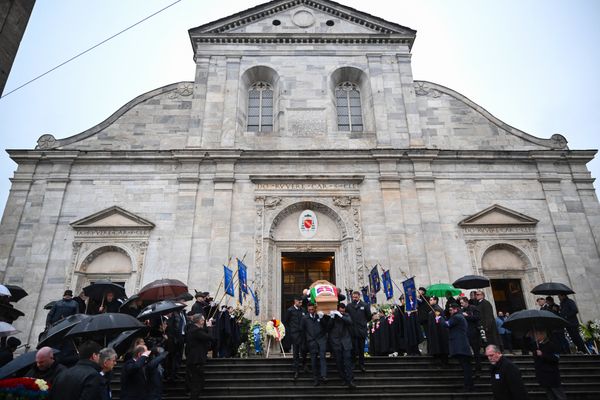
<point>534,64</point>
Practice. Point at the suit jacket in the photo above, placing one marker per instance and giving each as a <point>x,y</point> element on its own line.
<point>458,336</point>
<point>546,365</point>
<point>80,382</point>
<point>340,333</point>
<point>507,383</point>
<point>569,311</point>
<point>360,313</point>
<point>48,375</point>
<point>315,331</point>
<point>133,379</point>
<point>293,324</point>
<point>197,341</point>
<point>486,314</point>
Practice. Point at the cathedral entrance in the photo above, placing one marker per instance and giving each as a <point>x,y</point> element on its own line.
<point>508,295</point>
<point>299,270</point>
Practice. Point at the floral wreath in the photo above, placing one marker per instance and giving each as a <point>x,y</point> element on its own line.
<point>275,329</point>
<point>24,388</point>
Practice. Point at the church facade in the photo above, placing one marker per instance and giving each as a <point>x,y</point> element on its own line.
<point>304,146</point>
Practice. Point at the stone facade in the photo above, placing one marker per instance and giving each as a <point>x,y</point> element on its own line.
<point>174,185</point>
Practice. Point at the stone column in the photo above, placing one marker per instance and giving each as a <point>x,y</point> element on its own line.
<point>212,121</point>
<point>379,101</point>
<point>198,102</point>
<point>230,106</point>
<point>411,107</point>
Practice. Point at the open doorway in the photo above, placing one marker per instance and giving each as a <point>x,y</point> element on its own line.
<point>300,270</point>
<point>508,295</point>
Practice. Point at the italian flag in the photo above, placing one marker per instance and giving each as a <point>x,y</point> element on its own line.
<point>320,290</point>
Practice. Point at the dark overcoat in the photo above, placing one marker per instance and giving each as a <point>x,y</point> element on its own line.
<point>360,313</point>
<point>507,383</point>
<point>197,341</point>
<point>315,331</point>
<point>458,338</point>
<point>546,365</point>
<point>340,336</point>
<point>80,382</point>
<point>293,324</point>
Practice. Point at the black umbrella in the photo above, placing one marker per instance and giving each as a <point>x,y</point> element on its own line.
<point>104,325</point>
<point>184,297</point>
<point>57,332</point>
<point>552,288</point>
<point>123,342</point>
<point>24,361</point>
<point>98,290</point>
<point>160,308</point>
<point>9,313</point>
<point>49,305</point>
<point>527,320</point>
<point>471,282</point>
<point>16,292</point>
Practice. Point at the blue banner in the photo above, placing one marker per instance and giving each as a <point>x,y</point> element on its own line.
<point>410,294</point>
<point>228,281</point>
<point>256,302</point>
<point>387,284</point>
<point>365,292</point>
<point>240,295</point>
<point>374,280</point>
<point>243,276</point>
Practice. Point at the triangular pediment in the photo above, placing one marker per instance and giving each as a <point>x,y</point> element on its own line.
<point>295,17</point>
<point>497,215</point>
<point>113,217</point>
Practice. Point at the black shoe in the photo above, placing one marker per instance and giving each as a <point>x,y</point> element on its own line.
<point>351,385</point>
<point>363,369</point>
<point>324,379</point>
<point>295,375</point>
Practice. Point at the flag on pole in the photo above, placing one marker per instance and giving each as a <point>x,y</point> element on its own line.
<point>410,294</point>
<point>240,295</point>
<point>243,276</point>
<point>374,280</point>
<point>228,281</point>
<point>256,302</point>
<point>387,284</point>
<point>365,293</point>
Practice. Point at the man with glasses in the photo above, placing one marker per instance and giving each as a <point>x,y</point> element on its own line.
<point>506,376</point>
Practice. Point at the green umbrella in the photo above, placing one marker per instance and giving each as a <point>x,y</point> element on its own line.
<point>442,290</point>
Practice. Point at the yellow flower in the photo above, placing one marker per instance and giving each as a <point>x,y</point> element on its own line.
<point>42,384</point>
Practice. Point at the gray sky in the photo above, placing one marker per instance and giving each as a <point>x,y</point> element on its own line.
<point>534,64</point>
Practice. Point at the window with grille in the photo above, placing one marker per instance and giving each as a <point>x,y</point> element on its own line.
<point>260,107</point>
<point>349,113</point>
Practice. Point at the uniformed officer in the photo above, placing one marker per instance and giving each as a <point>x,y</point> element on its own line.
<point>293,327</point>
<point>360,313</point>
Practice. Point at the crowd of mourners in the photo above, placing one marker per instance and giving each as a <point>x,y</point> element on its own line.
<point>462,330</point>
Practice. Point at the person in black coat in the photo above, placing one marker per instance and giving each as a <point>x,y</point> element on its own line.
<point>423,309</point>
<point>45,367</point>
<point>437,332</point>
<point>293,328</point>
<point>154,373</point>
<point>488,319</point>
<point>82,381</point>
<point>175,341</point>
<point>507,383</point>
<point>360,313</point>
<point>340,339</point>
<point>133,377</point>
<point>314,326</point>
<point>458,344</point>
<point>110,304</point>
<point>471,314</point>
<point>62,308</point>
<point>7,351</point>
<point>107,361</point>
<point>569,311</point>
<point>545,359</point>
<point>201,306</point>
<point>197,344</point>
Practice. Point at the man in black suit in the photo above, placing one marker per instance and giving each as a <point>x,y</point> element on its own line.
<point>314,326</point>
<point>487,319</point>
<point>340,338</point>
<point>506,381</point>
<point>198,341</point>
<point>133,377</point>
<point>360,313</point>
<point>293,327</point>
<point>569,311</point>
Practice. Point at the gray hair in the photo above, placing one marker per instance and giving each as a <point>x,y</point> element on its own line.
<point>493,348</point>
<point>197,317</point>
<point>106,354</point>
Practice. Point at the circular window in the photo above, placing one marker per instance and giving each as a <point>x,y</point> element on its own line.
<point>330,22</point>
<point>276,22</point>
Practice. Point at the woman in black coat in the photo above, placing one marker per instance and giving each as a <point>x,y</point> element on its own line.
<point>198,342</point>
<point>437,339</point>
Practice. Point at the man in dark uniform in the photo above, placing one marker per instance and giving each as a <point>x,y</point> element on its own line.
<point>293,327</point>
<point>197,343</point>
<point>45,367</point>
<point>314,326</point>
<point>62,308</point>
<point>507,383</point>
<point>569,311</point>
<point>488,319</point>
<point>340,338</point>
<point>360,313</point>
<point>471,315</point>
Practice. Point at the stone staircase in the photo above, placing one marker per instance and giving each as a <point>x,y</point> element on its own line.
<point>386,378</point>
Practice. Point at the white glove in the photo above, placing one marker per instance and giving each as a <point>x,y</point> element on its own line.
<point>332,313</point>
<point>320,314</point>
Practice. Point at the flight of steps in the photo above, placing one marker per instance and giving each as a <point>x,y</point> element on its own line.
<point>386,378</point>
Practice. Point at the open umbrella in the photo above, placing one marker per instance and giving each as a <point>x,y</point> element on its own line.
<point>184,297</point>
<point>98,289</point>
<point>552,288</point>
<point>7,329</point>
<point>49,305</point>
<point>442,290</point>
<point>57,332</point>
<point>163,289</point>
<point>9,313</point>
<point>527,320</point>
<point>471,282</point>
<point>160,308</point>
<point>4,291</point>
<point>16,292</point>
<point>24,361</point>
<point>104,325</point>
<point>123,342</point>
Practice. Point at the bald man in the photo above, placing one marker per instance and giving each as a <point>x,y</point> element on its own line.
<point>45,367</point>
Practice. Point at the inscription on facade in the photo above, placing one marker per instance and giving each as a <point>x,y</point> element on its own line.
<point>307,186</point>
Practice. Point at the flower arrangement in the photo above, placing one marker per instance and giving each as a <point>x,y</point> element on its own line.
<point>23,389</point>
<point>590,332</point>
<point>254,343</point>
<point>275,329</point>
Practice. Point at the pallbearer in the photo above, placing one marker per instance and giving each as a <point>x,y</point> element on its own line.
<point>293,327</point>
<point>360,313</point>
<point>314,326</point>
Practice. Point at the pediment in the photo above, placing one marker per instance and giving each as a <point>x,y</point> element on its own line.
<point>302,17</point>
<point>497,215</point>
<point>113,217</point>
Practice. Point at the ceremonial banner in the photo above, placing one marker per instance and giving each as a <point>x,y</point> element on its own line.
<point>410,294</point>
<point>365,292</point>
<point>387,284</point>
<point>243,276</point>
<point>256,302</point>
<point>240,294</point>
<point>228,281</point>
<point>374,280</point>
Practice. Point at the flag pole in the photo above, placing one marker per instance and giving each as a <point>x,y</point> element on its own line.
<point>218,304</point>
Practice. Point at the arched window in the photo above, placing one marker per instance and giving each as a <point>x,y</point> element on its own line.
<point>349,112</point>
<point>260,107</point>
